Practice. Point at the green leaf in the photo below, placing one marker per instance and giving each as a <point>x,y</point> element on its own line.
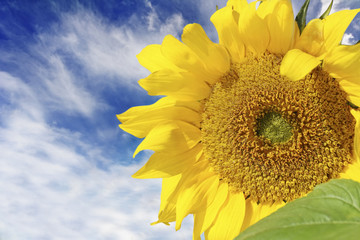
<point>326,13</point>
<point>330,211</point>
<point>301,16</point>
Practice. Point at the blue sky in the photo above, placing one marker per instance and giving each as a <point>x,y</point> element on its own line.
<point>66,69</point>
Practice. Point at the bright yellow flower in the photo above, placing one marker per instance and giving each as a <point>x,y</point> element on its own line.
<point>250,123</point>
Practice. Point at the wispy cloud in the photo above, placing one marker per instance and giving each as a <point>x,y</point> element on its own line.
<point>49,191</point>
<point>348,39</point>
<point>52,188</point>
<point>85,53</point>
<point>108,49</point>
<point>54,182</point>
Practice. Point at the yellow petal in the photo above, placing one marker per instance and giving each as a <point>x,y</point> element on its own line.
<point>253,30</point>
<point>255,212</point>
<point>251,214</point>
<point>279,17</point>
<point>163,165</point>
<point>335,26</point>
<point>352,171</point>
<point>199,193</point>
<point>164,102</point>
<point>356,114</point>
<point>296,64</point>
<point>229,220</point>
<point>343,63</point>
<point>214,56</point>
<point>167,212</point>
<point>170,192</point>
<point>266,210</point>
<point>353,91</point>
<point>170,137</point>
<point>152,59</point>
<point>138,121</point>
<point>182,56</point>
<point>237,5</point>
<point>185,85</point>
<point>203,220</point>
<point>225,23</point>
<point>312,38</point>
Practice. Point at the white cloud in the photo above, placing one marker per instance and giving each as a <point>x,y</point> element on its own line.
<point>348,39</point>
<point>57,88</point>
<point>152,17</point>
<point>51,188</point>
<point>54,184</point>
<point>22,100</point>
<point>207,8</point>
<point>63,90</point>
<point>83,54</point>
<point>53,198</point>
<point>339,5</point>
<point>325,5</point>
<point>107,49</point>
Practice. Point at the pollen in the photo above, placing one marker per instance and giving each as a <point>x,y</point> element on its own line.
<point>272,138</point>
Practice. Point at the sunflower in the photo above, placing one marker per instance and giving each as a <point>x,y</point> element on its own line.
<point>253,122</point>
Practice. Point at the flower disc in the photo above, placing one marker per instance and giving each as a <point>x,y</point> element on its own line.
<point>272,138</point>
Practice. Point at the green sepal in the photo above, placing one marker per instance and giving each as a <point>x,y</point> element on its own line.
<point>217,7</point>
<point>326,13</point>
<point>330,211</point>
<point>352,105</point>
<point>301,16</point>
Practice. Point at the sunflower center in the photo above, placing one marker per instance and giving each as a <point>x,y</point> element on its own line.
<point>275,128</point>
<point>274,139</point>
